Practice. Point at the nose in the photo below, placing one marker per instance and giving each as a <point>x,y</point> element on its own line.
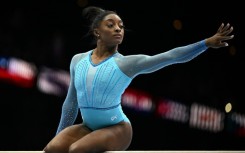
<point>118,29</point>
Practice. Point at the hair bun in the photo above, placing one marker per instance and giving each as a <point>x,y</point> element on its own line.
<point>91,12</point>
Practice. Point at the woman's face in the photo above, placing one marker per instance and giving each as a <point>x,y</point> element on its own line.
<point>111,30</point>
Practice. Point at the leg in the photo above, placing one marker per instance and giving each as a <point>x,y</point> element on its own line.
<point>114,138</point>
<point>62,141</point>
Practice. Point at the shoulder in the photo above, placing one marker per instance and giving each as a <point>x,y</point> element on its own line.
<point>77,57</point>
<point>126,58</point>
<point>118,55</point>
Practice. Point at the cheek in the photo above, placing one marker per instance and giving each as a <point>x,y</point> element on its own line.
<point>108,33</point>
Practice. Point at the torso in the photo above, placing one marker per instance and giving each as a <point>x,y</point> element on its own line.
<point>100,86</point>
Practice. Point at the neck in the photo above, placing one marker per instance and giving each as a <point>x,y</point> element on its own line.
<point>102,51</point>
<point>100,54</point>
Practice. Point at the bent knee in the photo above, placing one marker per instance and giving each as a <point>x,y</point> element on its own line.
<point>74,148</point>
<point>55,148</point>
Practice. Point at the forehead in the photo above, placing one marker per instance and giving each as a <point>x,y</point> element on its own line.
<point>113,17</point>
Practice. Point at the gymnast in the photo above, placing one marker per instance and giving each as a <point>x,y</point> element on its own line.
<point>100,76</point>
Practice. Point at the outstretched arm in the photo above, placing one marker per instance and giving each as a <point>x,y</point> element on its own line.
<point>141,64</point>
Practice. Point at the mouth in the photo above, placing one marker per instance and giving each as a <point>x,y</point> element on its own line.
<point>117,36</point>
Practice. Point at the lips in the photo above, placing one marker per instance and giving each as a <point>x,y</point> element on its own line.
<point>117,36</point>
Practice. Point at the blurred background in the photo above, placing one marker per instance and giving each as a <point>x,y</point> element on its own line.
<point>197,105</point>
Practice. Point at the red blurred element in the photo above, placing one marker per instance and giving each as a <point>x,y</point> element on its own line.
<point>172,110</point>
<point>15,79</point>
<point>241,132</point>
<point>138,100</point>
<point>163,108</point>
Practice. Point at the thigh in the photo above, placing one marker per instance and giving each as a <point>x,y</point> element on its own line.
<point>63,140</point>
<point>117,137</point>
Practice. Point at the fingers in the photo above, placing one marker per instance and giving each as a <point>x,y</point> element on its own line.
<point>226,27</point>
<point>221,27</point>
<point>224,38</point>
<point>225,30</point>
<point>228,30</point>
<point>224,44</point>
<point>223,34</point>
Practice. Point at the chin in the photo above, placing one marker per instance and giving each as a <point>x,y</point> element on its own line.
<point>117,42</point>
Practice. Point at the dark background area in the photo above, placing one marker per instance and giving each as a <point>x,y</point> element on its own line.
<point>30,30</point>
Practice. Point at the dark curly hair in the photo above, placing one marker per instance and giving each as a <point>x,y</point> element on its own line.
<point>94,15</point>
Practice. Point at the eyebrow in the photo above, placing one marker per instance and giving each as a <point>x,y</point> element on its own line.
<point>114,20</point>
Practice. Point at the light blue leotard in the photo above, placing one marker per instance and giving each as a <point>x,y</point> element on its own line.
<point>96,89</point>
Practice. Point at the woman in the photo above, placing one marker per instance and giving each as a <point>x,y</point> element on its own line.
<point>100,76</point>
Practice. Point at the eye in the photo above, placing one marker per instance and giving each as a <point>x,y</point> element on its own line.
<point>110,25</point>
<point>122,26</point>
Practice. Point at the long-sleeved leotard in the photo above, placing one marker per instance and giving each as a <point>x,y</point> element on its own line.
<point>96,89</point>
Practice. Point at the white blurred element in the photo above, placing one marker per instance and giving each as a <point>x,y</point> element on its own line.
<point>238,125</point>
<point>206,118</point>
<point>145,103</point>
<point>54,82</point>
<point>18,72</point>
<point>172,110</point>
<point>137,100</point>
<point>129,99</point>
<point>239,119</point>
<point>22,68</point>
<point>228,107</point>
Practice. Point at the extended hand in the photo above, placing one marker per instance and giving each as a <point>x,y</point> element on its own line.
<point>219,39</point>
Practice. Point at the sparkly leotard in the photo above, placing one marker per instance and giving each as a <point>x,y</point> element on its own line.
<point>96,89</point>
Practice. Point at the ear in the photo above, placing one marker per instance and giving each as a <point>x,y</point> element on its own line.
<point>96,32</point>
